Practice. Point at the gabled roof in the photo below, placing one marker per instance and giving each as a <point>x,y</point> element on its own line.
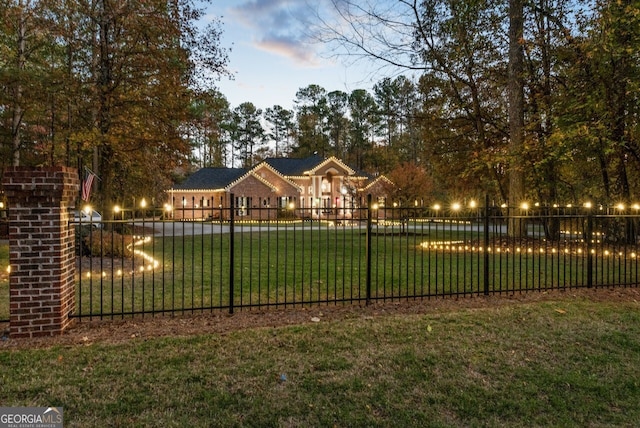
<point>250,174</point>
<point>294,167</point>
<point>324,162</point>
<point>211,178</point>
<point>266,165</point>
<point>376,180</point>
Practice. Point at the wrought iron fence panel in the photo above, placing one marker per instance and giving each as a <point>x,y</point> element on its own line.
<point>232,258</point>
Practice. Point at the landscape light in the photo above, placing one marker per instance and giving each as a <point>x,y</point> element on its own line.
<point>472,204</point>
<point>455,206</point>
<point>587,205</point>
<point>436,207</point>
<point>620,206</point>
<point>636,206</point>
<point>87,209</point>
<point>524,206</point>
<point>116,209</point>
<point>143,203</point>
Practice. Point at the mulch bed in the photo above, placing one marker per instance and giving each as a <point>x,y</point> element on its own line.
<point>123,330</point>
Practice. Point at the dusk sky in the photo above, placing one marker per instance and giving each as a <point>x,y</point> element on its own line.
<point>273,55</point>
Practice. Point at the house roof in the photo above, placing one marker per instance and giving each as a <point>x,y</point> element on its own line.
<point>294,167</point>
<point>225,178</point>
<point>211,178</point>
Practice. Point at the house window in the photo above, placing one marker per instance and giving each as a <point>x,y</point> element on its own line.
<point>283,202</point>
<point>243,205</point>
<point>326,186</point>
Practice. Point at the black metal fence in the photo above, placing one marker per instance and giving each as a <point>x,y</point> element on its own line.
<point>375,252</point>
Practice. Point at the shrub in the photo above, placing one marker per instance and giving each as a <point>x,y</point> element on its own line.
<point>106,244</point>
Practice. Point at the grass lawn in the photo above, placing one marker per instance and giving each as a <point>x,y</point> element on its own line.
<point>562,361</point>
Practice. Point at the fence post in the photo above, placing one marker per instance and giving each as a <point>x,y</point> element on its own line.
<point>41,249</point>
<point>486,246</point>
<point>589,238</point>
<point>368,237</point>
<point>231,251</point>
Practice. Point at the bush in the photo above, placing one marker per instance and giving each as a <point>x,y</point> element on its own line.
<point>99,243</point>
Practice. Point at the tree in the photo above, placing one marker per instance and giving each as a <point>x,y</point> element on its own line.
<point>311,104</point>
<point>281,121</point>
<point>363,112</point>
<point>209,128</point>
<point>26,52</point>
<point>249,132</point>
<point>337,122</point>
<point>515,90</point>
<point>110,78</point>
<point>409,183</point>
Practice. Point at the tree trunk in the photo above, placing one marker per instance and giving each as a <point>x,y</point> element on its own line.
<point>16,120</point>
<point>515,88</point>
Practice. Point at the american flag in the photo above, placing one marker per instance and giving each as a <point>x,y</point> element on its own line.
<point>87,184</point>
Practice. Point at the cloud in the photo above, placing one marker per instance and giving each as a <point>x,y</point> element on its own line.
<point>279,27</point>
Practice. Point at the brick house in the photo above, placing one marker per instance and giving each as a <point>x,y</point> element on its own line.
<point>311,187</point>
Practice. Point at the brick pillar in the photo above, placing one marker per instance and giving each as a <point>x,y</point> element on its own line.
<point>41,249</point>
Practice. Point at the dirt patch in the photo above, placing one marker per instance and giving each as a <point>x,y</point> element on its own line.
<point>123,330</point>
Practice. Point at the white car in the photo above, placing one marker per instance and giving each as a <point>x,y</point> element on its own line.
<point>94,218</point>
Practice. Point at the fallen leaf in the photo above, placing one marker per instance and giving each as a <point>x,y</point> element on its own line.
<point>561,311</point>
<point>315,319</point>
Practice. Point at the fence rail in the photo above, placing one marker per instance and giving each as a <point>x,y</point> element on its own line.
<point>155,266</point>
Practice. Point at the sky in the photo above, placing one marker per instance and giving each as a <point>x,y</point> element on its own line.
<point>272,54</point>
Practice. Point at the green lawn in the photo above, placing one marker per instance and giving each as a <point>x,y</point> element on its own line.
<point>567,362</point>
